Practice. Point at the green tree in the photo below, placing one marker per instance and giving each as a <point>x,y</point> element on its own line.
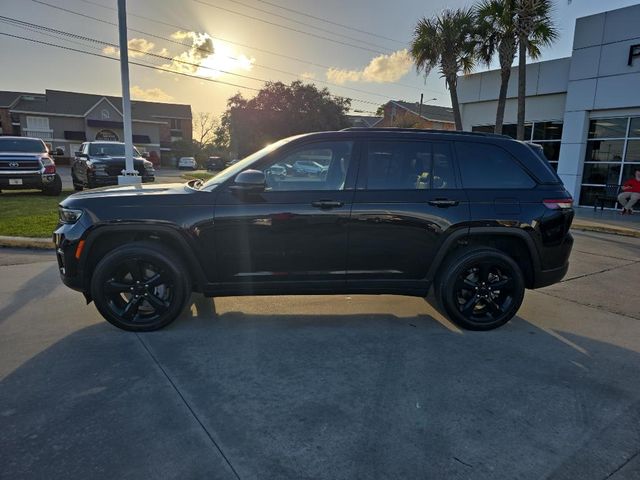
<point>535,29</point>
<point>496,34</point>
<point>279,111</point>
<point>447,42</point>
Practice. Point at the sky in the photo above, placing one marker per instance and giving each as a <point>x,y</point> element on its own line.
<point>236,44</point>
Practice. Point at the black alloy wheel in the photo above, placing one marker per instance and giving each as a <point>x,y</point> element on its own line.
<point>140,287</point>
<point>481,289</point>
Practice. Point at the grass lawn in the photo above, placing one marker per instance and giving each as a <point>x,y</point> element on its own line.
<point>199,175</point>
<point>29,214</point>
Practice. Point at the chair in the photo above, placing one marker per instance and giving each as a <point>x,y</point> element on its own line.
<point>611,192</point>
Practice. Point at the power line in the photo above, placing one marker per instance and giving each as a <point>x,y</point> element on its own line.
<point>29,25</point>
<point>152,67</point>
<point>331,32</point>
<point>251,47</point>
<point>326,20</point>
<point>269,22</point>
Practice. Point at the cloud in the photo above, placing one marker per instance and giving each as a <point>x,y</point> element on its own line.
<point>206,58</point>
<point>151,94</point>
<point>308,75</point>
<point>381,69</point>
<point>137,48</point>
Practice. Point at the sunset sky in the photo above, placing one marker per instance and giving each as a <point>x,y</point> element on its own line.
<point>231,40</point>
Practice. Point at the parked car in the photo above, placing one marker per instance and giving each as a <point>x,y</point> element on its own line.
<point>215,164</point>
<point>26,163</point>
<point>187,163</point>
<point>472,218</point>
<point>309,167</point>
<point>98,164</point>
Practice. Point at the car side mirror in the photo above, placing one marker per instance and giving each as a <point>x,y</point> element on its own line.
<point>79,154</point>
<point>250,181</point>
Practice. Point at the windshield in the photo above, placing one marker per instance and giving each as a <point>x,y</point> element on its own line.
<point>110,150</point>
<point>236,168</point>
<point>22,145</point>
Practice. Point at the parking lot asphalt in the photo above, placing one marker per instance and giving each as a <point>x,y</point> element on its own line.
<point>326,387</point>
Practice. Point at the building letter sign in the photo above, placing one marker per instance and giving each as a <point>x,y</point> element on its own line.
<point>634,52</point>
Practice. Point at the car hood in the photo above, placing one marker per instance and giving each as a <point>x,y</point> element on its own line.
<point>124,193</point>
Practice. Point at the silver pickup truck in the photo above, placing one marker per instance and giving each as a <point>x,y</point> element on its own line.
<point>25,163</point>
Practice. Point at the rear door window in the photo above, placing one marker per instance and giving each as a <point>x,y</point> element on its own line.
<point>483,165</point>
<point>402,165</point>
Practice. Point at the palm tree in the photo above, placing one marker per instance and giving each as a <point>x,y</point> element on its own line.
<point>446,42</point>
<point>496,32</point>
<point>535,29</point>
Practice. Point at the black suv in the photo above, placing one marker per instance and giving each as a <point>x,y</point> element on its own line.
<point>26,163</point>
<point>98,164</point>
<point>478,217</point>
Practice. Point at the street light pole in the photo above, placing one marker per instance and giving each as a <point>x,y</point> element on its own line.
<point>129,174</point>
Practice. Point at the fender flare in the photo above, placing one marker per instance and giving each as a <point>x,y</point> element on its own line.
<point>187,250</point>
<point>461,236</point>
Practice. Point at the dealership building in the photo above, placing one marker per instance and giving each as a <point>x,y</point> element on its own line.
<point>584,110</point>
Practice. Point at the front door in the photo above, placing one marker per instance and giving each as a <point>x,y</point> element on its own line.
<point>406,202</point>
<point>296,230</point>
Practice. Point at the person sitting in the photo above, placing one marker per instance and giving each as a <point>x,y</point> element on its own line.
<point>630,193</point>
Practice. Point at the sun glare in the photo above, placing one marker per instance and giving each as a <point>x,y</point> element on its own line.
<point>223,60</point>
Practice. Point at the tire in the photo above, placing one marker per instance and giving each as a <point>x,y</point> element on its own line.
<point>140,287</point>
<point>54,188</point>
<point>467,289</point>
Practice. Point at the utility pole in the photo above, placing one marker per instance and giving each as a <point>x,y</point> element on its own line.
<point>420,109</point>
<point>129,174</point>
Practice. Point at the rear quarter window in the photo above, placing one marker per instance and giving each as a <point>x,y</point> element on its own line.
<point>483,165</point>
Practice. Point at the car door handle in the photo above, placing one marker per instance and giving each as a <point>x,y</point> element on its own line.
<point>443,203</point>
<point>327,204</point>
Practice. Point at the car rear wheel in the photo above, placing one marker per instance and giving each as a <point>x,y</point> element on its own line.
<point>140,287</point>
<point>480,289</point>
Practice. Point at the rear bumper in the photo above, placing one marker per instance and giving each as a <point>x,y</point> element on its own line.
<point>544,278</point>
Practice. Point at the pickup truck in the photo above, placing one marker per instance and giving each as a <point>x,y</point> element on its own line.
<point>26,163</point>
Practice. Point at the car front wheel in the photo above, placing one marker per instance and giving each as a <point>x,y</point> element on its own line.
<point>480,289</point>
<point>140,287</point>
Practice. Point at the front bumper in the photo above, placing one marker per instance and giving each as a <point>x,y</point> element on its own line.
<point>107,181</point>
<point>66,239</point>
<point>24,181</point>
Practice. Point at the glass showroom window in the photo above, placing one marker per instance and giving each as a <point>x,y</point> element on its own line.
<point>613,151</point>
<point>546,134</point>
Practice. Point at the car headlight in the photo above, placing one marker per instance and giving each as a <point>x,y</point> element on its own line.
<point>148,165</point>
<point>69,215</point>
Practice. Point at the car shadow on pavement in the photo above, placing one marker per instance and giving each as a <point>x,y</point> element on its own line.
<point>238,395</point>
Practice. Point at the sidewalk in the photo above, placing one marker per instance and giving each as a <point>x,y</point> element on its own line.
<point>608,221</point>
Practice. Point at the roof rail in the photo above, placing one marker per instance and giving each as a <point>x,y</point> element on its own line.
<point>421,130</point>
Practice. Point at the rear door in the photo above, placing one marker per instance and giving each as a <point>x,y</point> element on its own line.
<point>407,201</point>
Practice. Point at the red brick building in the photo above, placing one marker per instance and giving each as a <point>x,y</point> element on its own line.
<point>412,115</point>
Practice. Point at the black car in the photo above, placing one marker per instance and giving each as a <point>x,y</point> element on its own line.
<point>26,163</point>
<point>477,218</point>
<point>98,164</point>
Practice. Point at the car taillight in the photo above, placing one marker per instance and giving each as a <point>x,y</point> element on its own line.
<point>50,169</point>
<point>558,204</point>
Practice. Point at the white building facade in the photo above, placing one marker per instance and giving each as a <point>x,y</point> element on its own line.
<point>584,110</point>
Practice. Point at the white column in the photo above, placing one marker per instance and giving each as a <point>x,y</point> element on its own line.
<point>129,174</point>
<point>573,150</point>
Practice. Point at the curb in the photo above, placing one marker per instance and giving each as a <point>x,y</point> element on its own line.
<point>27,242</point>
<point>602,228</point>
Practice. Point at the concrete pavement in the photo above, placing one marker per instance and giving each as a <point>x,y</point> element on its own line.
<point>325,387</point>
